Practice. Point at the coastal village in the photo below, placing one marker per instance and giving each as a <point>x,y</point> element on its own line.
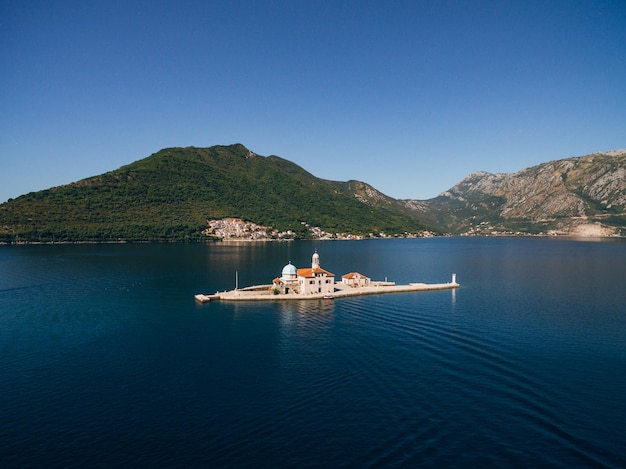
<point>317,283</point>
<point>235,229</point>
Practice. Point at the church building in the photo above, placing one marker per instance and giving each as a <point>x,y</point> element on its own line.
<point>313,280</point>
<point>316,279</point>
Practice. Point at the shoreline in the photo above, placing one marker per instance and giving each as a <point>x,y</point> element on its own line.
<point>575,236</point>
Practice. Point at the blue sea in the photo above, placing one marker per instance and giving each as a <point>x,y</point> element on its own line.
<point>106,359</point>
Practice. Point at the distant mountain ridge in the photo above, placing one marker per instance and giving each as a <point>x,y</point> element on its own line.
<point>173,195</point>
<point>570,196</point>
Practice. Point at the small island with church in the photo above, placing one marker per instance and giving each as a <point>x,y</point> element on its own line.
<point>317,283</point>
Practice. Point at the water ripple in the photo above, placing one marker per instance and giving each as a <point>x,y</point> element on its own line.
<point>107,360</point>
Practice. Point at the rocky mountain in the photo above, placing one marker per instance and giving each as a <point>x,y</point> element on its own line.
<point>582,195</point>
<point>175,193</point>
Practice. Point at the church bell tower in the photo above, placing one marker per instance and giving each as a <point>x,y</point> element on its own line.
<point>315,263</point>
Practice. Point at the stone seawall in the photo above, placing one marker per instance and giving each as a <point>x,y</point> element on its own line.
<point>341,291</point>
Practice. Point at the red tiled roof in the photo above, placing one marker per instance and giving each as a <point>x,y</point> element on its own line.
<point>353,275</point>
<point>310,272</point>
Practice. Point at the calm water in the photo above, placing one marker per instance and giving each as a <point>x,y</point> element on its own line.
<point>105,358</point>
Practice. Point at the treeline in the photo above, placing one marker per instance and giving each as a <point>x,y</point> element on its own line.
<point>108,233</point>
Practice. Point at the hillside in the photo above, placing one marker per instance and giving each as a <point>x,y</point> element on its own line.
<point>177,193</point>
<point>171,194</point>
<point>570,196</point>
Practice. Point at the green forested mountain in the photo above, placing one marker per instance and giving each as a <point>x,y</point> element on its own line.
<point>171,194</point>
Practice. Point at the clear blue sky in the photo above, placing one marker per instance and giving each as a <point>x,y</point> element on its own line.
<point>409,96</point>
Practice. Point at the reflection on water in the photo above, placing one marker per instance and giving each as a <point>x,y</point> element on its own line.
<point>302,318</point>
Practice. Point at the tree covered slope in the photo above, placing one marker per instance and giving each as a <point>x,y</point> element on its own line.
<point>171,194</point>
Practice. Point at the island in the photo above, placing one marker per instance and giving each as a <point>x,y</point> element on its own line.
<point>317,283</point>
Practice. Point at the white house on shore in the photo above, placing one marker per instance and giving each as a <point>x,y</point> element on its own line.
<point>312,280</point>
<point>355,279</point>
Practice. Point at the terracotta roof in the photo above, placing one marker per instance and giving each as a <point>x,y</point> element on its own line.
<point>277,280</point>
<point>353,275</point>
<point>310,272</point>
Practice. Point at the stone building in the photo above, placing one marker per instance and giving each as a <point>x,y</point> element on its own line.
<point>306,281</point>
<point>315,279</point>
<point>355,279</point>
